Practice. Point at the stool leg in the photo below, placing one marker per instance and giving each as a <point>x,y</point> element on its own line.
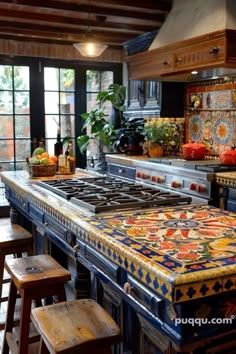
<point>2,260</point>
<point>42,347</point>
<point>26,302</point>
<point>10,315</point>
<point>61,294</point>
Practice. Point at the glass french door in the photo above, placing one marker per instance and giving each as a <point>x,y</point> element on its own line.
<point>38,96</point>
<point>59,105</point>
<point>15,143</point>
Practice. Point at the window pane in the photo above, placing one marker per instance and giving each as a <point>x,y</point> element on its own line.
<point>7,166</point>
<point>67,80</point>
<point>49,146</point>
<point>51,79</point>
<point>93,80</point>
<point>6,77</point>
<point>22,126</point>
<point>6,127</point>
<point>21,78</point>
<point>21,166</point>
<point>51,102</point>
<point>22,149</point>
<point>106,79</point>
<point>67,103</point>
<point>6,105</point>
<point>6,150</point>
<point>22,102</point>
<point>51,126</point>
<point>67,125</point>
<point>91,101</point>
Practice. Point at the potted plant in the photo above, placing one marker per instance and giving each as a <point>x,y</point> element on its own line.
<point>102,131</point>
<point>116,95</point>
<point>157,135</point>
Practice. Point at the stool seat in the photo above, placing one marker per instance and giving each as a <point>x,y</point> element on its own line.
<point>14,240</point>
<point>77,326</point>
<point>36,271</point>
<point>34,278</point>
<point>13,235</point>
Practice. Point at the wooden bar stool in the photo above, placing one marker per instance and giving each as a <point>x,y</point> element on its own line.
<point>34,278</point>
<point>77,326</point>
<point>14,239</point>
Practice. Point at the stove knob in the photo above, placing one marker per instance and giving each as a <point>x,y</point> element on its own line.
<point>145,176</point>
<point>138,174</point>
<point>201,188</point>
<point>175,184</point>
<point>160,179</point>
<point>154,178</point>
<point>192,186</point>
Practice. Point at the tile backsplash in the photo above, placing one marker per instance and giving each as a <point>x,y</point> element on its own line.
<point>211,115</point>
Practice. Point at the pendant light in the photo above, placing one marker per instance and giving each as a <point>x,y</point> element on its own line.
<point>89,47</point>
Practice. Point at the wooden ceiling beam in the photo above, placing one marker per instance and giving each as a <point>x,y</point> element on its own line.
<point>105,11</point>
<point>80,23</point>
<point>59,32</point>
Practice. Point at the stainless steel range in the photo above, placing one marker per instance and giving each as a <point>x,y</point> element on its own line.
<point>189,178</point>
<point>98,194</point>
<point>195,178</point>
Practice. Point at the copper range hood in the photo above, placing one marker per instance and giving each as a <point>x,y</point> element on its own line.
<point>197,36</point>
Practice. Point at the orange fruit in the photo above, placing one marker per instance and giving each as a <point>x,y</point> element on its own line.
<point>45,154</point>
<point>39,157</point>
<point>53,158</point>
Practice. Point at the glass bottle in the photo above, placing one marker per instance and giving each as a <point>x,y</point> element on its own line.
<point>58,146</point>
<point>70,158</point>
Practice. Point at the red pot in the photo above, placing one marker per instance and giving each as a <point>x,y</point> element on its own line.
<point>193,151</point>
<point>228,157</point>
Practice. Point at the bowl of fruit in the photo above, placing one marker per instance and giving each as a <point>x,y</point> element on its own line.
<point>41,164</point>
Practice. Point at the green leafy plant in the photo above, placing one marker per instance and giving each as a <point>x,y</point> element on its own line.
<point>96,122</point>
<point>101,130</point>
<point>157,132</point>
<point>116,94</point>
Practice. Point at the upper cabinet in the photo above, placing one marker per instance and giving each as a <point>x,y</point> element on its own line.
<point>217,49</point>
<point>143,94</point>
<point>155,98</point>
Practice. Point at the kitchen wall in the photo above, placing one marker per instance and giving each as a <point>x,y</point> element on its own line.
<point>210,113</point>
<point>65,52</point>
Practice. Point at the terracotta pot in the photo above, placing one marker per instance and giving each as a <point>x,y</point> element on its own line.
<point>193,151</point>
<point>228,157</point>
<point>155,150</point>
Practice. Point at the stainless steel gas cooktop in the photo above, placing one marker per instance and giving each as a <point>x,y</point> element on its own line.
<point>104,193</point>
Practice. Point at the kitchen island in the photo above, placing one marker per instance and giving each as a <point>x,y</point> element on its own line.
<point>227,190</point>
<point>166,275</point>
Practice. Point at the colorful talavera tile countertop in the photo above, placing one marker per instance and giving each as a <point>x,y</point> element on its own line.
<point>181,253</point>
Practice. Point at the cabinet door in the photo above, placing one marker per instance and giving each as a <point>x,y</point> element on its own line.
<point>152,94</point>
<point>113,304</point>
<point>136,94</point>
<point>152,341</point>
<point>199,56</point>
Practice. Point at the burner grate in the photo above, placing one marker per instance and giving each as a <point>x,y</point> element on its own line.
<point>108,193</point>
